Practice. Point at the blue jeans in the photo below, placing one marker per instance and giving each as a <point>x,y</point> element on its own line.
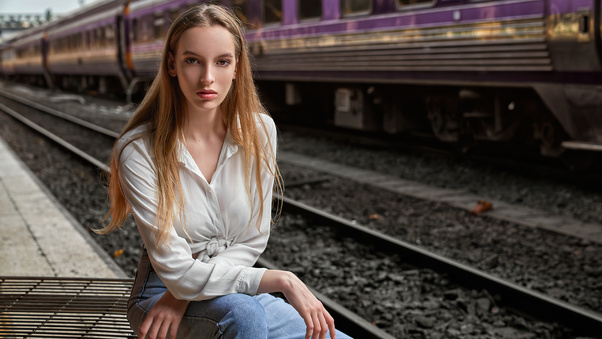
<point>229,316</point>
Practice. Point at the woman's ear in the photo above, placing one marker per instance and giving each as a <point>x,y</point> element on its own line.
<point>171,65</point>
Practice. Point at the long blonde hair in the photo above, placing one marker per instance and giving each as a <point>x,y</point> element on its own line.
<point>163,109</point>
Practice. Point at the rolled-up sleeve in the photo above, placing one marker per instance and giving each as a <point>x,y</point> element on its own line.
<point>185,277</point>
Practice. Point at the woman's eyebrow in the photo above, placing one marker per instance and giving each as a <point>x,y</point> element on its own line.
<point>225,55</point>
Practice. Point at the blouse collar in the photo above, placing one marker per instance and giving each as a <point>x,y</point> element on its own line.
<point>230,147</point>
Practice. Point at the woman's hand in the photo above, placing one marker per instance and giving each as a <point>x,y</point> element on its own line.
<point>163,317</point>
<point>316,317</point>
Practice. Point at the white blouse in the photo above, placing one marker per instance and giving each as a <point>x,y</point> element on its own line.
<point>217,218</point>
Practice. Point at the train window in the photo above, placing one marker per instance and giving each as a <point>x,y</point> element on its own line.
<point>94,34</point>
<point>110,34</point>
<point>135,30</point>
<point>90,39</point>
<point>103,36</point>
<point>272,11</point>
<point>241,8</point>
<point>310,9</point>
<point>96,37</point>
<point>146,29</point>
<point>159,26</point>
<point>353,7</point>
<point>100,37</point>
<point>404,3</point>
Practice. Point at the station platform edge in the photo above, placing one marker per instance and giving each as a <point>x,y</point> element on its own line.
<point>38,236</point>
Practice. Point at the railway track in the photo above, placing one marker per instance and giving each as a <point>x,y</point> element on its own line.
<point>349,320</point>
<point>459,198</point>
<point>513,295</point>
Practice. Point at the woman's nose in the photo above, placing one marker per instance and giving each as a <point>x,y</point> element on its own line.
<point>207,76</point>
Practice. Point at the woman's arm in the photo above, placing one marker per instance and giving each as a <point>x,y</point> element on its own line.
<point>316,317</point>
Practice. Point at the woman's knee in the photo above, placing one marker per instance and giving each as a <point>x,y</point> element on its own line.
<point>245,319</point>
<point>236,315</point>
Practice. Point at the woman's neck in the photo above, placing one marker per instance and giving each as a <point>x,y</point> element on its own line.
<point>202,126</point>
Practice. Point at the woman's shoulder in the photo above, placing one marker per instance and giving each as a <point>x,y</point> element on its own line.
<point>135,140</point>
<point>267,121</point>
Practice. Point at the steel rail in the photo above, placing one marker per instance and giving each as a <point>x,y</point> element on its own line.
<point>55,138</point>
<point>60,114</point>
<point>515,296</point>
<point>353,323</point>
<point>361,327</point>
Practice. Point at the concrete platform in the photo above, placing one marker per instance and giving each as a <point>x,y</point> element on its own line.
<point>38,237</point>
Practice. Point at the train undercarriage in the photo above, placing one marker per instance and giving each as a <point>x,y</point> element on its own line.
<point>459,115</point>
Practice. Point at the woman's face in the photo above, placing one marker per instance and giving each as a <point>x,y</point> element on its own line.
<point>205,65</point>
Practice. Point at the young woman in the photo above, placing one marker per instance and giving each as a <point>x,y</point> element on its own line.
<point>196,167</point>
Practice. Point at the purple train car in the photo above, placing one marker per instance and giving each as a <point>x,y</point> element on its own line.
<point>7,60</point>
<point>494,70</point>
<point>28,56</point>
<point>477,69</point>
<point>84,47</point>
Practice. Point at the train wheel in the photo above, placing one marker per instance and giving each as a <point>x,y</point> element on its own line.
<point>443,115</point>
<point>551,135</point>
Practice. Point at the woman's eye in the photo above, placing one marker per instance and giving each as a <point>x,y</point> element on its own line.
<point>223,62</point>
<point>191,61</point>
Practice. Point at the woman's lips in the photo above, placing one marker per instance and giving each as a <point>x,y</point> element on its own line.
<point>207,94</point>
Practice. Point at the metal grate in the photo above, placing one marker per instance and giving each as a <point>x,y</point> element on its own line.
<point>35,307</point>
